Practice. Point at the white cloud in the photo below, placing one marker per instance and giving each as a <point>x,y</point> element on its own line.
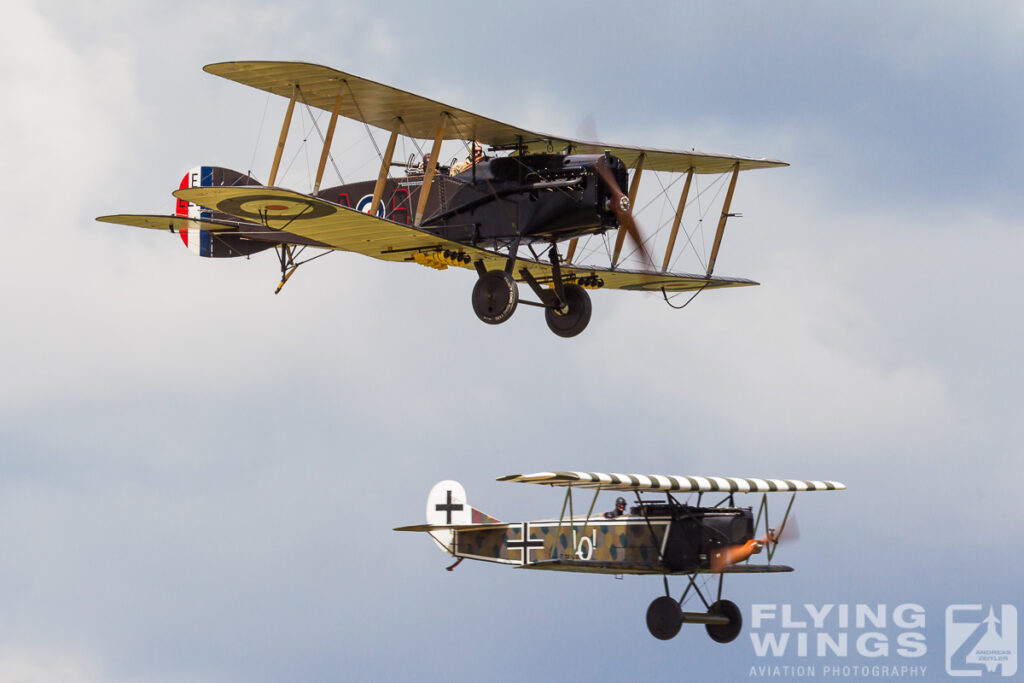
<point>27,665</point>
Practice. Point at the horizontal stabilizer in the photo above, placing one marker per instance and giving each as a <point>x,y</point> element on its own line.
<point>446,527</point>
<point>172,223</point>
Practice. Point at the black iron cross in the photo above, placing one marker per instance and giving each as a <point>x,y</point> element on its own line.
<point>448,507</point>
<point>526,544</point>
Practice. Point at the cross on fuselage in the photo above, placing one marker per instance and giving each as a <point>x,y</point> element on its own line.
<point>526,544</point>
<point>448,507</point>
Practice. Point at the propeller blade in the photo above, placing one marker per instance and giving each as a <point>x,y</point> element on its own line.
<point>790,532</point>
<point>622,210</point>
<point>734,554</point>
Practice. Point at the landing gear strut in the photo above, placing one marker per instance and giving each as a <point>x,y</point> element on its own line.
<point>567,312</point>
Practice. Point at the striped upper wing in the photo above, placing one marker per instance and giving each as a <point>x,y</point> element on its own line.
<point>658,482</point>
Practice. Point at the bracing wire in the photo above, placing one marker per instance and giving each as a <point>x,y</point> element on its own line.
<point>323,139</point>
<point>259,135</point>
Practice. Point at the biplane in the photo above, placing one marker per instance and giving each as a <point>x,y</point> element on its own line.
<point>660,536</point>
<point>502,213</point>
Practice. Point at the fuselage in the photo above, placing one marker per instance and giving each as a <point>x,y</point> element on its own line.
<point>676,539</point>
<point>495,203</point>
<point>533,198</point>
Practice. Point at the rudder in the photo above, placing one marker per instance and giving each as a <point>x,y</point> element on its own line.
<point>447,506</point>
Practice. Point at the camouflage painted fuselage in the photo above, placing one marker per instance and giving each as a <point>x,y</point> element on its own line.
<point>631,544</point>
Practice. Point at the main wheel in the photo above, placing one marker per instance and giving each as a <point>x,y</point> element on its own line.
<point>664,618</point>
<point>725,633</point>
<point>495,297</point>
<point>575,320</point>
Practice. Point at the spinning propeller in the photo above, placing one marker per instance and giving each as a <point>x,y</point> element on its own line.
<point>620,206</point>
<point>728,555</point>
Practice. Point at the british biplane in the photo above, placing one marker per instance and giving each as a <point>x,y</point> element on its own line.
<point>654,536</point>
<point>502,214</point>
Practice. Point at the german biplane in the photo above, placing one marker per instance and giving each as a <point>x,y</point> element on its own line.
<point>503,214</point>
<point>654,536</point>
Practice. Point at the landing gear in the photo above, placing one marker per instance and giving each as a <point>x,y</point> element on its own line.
<point>574,316</point>
<point>725,633</point>
<point>664,618</point>
<point>495,296</point>
<point>723,620</point>
<point>566,305</point>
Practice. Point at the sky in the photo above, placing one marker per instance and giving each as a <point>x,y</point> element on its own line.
<point>198,478</point>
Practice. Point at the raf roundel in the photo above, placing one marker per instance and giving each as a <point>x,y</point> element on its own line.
<point>364,205</point>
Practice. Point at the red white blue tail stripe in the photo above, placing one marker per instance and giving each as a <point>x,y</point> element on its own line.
<point>198,241</point>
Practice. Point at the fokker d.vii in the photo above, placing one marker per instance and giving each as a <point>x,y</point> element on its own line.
<point>654,536</point>
<point>502,213</point>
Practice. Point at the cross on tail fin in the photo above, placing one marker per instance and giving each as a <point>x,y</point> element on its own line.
<point>447,506</point>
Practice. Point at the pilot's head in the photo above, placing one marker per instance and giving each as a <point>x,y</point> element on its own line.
<point>620,504</point>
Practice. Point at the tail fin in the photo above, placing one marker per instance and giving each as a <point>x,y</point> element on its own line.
<point>447,506</point>
<point>203,242</point>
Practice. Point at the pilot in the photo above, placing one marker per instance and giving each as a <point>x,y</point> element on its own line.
<point>620,509</point>
<point>467,163</point>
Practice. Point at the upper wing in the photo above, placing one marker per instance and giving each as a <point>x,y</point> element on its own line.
<point>380,105</point>
<point>341,227</point>
<point>658,482</point>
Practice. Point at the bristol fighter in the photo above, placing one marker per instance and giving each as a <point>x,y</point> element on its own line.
<point>519,210</point>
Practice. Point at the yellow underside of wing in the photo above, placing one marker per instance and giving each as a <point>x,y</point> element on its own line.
<point>349,230</point>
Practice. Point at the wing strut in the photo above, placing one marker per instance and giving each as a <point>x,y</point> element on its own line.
<point>385,164</point>
<point>634,186</point>
<point>284,136</point>
<point>675,221</point>
<point>328,138</point>
<point>578,543</point>
<point>428,175</point>
<point>723,219</point>
<point>782,527</point>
